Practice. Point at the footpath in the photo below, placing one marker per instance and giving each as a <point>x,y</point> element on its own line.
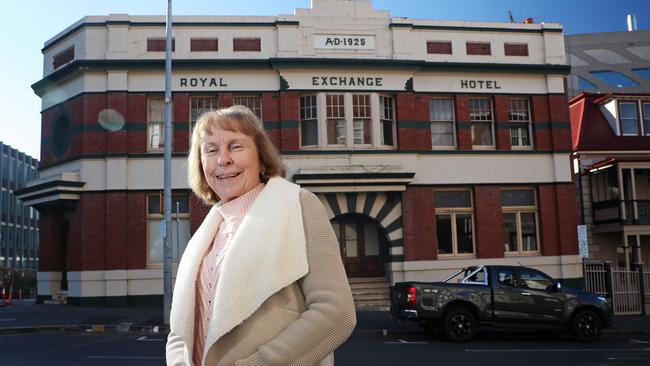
<point>24,316</point>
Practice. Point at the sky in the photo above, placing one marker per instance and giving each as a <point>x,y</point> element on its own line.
<point>26,25</point>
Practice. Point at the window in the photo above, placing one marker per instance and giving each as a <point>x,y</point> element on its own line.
<point>614,78</point>
<point>204,44</point>
<point>585,85</point>
<point>604,184</point>
<point>644,72</point>
<point>519,117</point>
<point>481,117</point>
<point>387,120</point>
<point>439,47</point>
<point>519,221</point>
<point>252,102</point>
<point>155,124</point>
<point>454,224</point>
<point>478,48</point>
<point>336,134</point>
<point>179,231</point>
<point>515,49</point>
<point>308,121</point>
<point>441,113</point>
<point>200,105</point>
<point>646,118</point>
<point>506,277</point>
<point>159,44</point>
<point>628,118</point>
<point>534,280</point>
<point>246,44</point>
<point>361,122</point>
<point>63,57</point>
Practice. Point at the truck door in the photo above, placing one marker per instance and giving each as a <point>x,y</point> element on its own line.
<point>537,304</point>
<point>506,295</point>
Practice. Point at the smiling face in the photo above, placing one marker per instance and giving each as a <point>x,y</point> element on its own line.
<point>231,164</point>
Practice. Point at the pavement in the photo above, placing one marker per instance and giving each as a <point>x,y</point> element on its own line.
<point>24,316</point>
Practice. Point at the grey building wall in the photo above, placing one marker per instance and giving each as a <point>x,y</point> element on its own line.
<point>622,52</point>
<point>18,223</point>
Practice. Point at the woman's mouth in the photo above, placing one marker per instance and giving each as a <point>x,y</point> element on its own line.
<point>228,175</point>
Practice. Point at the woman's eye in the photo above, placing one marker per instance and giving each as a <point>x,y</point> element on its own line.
<point>237,147</point>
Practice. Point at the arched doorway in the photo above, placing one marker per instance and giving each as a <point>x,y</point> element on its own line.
<point>363,244</point>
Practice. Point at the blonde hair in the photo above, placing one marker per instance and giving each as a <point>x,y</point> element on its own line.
<point>237,119</point>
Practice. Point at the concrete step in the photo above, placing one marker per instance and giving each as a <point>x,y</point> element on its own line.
<point>354,286</point>
<point>373,297</point>
<point>367,279</point>
<point>372,306</point>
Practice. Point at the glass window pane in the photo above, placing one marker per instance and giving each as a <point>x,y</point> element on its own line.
<point>627,114</point>
<point>337,230</point>
<point>448,199</point>
<point>154,206</point>
<point>252,102</point>
<point>336,131</point>
<point>361,131</point>
<point>614,78</point>
<point>180,236</point>
<point>480,109</point>
<point>443,233</point>
<point>518,110</point>
<point>528,231</point>
<point>519,136</point>
<point>518,197</point>
<point>180,202</point>
<point>585,85</point>
<point>387,133</point>
<point>371,239</point>
<point>506,277</point>
<point>351,237</point>
<point>309,133</point>
<point>441,109</point>
<point>646,118</point>
<point>482,133</point>
<point>644,72</point>
<point>510,232</point>
<point>464,233</point>
<point>155,241</point>
<point>442,133</point>
<point>534,280</point>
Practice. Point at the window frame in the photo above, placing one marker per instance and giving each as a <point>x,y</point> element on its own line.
<point>491,121</point>
<point>300,124</point>
<point>248,96</point>
<point>158,217</point>
<point>200,96</point>
<point>518,210</point>
<point>382,120</point>
<point>368,118</point>
<point>645,131</point>
<point>453,212</point>
<point>150,122</point>
<point>637,116</point>
<point>452,121</point>
<point>528,122</point>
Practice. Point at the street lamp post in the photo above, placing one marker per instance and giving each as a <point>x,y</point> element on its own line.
<point>167,201</point>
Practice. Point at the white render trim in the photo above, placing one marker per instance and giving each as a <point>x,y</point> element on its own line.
<point>569,266</point>
<point>104,283</point>
<point>48,283</point>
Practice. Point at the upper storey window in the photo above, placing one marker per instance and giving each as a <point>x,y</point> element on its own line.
<point>252,102</point>
<point>156,124</point>
<point>482,119</point>
<point>629,117</point>
<point>439,47</point>
<point>159,44</point>
<point>204,45</point>
<point>515,49</point>
<point>441,113</point>
<point>347,121</point>
<point>247,44</point>
<point>478,48</point>
<point>614,78</point>
<point>63,57</point>
<point>519,117</point>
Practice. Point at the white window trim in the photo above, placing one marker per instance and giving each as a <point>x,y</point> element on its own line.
<point>149,217</point>
<point>162,148</point>
<point>454,235</point>
<point>216,97</point>
<point>530,126</point>
<point>643,117</point>
<point>518,210</point>
<point>492,123</point>
<point>453,122</point>
<point>376,131</point>
<point>308,147</point>
<point>619,119</point>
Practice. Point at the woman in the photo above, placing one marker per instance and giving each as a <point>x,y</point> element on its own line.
<point>261,281</point>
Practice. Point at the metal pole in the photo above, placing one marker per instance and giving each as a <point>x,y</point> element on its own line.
<point>167,271</point>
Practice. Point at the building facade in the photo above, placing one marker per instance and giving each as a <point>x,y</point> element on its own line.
<point>432,144</point>
<point>19,233</point>
<point>609,62</point>
<point>611,140</point>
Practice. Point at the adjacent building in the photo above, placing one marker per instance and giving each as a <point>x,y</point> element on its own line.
<point>19,233</point>
<point>432,144</point>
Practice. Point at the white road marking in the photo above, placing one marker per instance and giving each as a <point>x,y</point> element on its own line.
<point>126,357</point>
<point>628,358</point>
<point>560,350</point>
<point>7,319</point>
<point>144,338</point>
<point>401,341</point>
<point>636,341</point>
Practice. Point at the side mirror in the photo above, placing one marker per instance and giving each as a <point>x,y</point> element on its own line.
<point>555,286</point>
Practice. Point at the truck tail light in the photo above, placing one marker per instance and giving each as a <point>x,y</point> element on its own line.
<point>411,296</point>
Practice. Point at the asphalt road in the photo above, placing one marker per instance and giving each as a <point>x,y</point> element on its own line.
<point>365,347</point>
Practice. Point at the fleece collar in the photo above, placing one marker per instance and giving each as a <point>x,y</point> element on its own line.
<point>267,253</point>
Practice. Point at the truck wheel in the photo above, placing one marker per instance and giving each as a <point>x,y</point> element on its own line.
<point>459,325</point>
<point>586,326</point>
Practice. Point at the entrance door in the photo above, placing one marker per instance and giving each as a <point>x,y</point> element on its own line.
<point>362,244</point>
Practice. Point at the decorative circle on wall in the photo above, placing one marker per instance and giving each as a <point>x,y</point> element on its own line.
<point>61,132</point>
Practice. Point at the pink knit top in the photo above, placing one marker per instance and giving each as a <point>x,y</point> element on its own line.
<point>207,279</point>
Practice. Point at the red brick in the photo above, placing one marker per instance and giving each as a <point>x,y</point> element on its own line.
<point>92,207</point>
<point>225,100</point>
<point>289,112</point>
<point>439,47</point>
<point>50,239</point>
<point>204,44</point>
<point>568,217</point>
<point>540,114</point>
<point>548,220</point>
<point>116,141</point>
<point>246,44</point>
<point>502,124</point>
<point>489,224</point>
<point>181,121</point>
<point>159,44</point>
<point>461,104</point>
<point>515,49</point>
<point>478,48</point>
<point>419,224</point>
<point>198,211</point>
<point>136,227</point>
<point>137,115</point>
<point>116,236</point>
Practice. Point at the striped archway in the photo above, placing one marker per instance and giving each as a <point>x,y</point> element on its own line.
<point>384,207</point>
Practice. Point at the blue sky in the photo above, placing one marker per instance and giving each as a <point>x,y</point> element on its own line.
<point>25,25</point>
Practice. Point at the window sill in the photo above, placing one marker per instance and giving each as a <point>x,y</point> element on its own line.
<point>483,147</point>
<point>521,147</point>
<point>457,256</point>
<point>450,147</point>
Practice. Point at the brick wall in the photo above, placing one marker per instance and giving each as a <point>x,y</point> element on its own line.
<point>289,116</point>
<point>439,47</point>
<point>136,230</point>
<point>116,236</point>
<point>463,130</point>
<point>515,49</point>
<point>489,224</point>
<point>478,48</point>
<point>419,224</point>
<point>50,239</point>
<point>204,44</point>
<point>501,125</point>
<point>246,44</point>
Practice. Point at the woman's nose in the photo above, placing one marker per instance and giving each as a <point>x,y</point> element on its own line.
<point>224,158</point>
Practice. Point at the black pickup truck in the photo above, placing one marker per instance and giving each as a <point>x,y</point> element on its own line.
<point>503,296</point>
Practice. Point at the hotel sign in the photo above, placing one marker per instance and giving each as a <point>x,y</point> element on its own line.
<point>344,42</point>
<point>345,80</point>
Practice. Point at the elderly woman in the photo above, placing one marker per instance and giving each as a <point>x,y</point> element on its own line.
<point>261,281</point>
